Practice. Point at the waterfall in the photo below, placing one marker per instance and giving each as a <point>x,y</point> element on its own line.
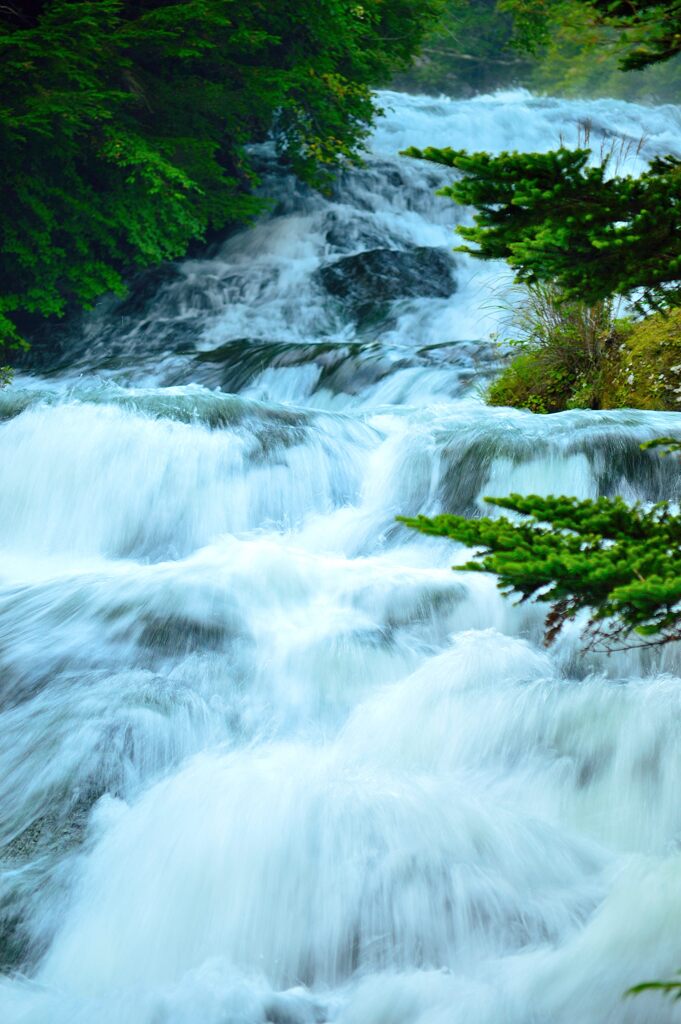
<point>264,757</point>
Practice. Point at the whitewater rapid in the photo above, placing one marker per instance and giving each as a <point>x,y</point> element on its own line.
<point>263,756</point>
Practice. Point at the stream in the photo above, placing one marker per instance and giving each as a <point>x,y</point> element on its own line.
<point>263,756</point>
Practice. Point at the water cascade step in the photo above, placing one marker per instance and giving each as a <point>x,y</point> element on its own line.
<point>263,756</point>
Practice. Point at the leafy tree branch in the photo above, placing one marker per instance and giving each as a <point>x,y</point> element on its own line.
<point>621,563</point>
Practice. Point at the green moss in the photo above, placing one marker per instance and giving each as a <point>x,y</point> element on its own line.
<point>521,385</point>
<point>546,380</point>
<point>643,369</point>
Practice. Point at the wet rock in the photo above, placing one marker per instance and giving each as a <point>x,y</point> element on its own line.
<point>343,367</point>
<point>367,280</point>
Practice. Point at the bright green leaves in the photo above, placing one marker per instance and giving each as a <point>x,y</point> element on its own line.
<point>570,229</point>
<point>622,563</point>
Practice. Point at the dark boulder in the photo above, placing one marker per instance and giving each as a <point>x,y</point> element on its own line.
<point>366,283</point>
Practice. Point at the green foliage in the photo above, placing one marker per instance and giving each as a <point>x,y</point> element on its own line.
<point>668,988</point>
<point>554,218</point>
<point>620,562</point>
<point>544,380</point>
<point>574,356</point>
<point>564,47</point>
<point>646,31</point>
<point>124,124</point>
<point>583,58</point>
<point>651,30</point>
<point>471,50</point>
<point>529,384</point>
<point>561,348</point>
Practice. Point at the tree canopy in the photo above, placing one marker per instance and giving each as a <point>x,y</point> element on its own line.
<point>125,124</point>
<point>648,31</point>
<point>566,47</point>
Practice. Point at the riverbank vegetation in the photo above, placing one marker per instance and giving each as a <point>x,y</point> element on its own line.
<point>580,239</point>
<point>558,49</point>
<point>125,126</point>
<point>580,236</point>
<point>559,347</point>
<point>572,355</point>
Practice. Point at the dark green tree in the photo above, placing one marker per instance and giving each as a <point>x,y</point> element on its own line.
<point>554,218</point>
<point>621,563</point>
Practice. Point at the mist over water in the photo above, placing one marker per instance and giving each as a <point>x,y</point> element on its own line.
<point>263,756</point>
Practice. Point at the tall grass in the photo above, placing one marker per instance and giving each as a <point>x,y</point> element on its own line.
<point>559,347</point>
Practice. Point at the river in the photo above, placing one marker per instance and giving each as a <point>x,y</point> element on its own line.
<point>264,757</point>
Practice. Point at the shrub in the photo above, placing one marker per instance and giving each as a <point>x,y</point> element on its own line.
<point>561,345</point>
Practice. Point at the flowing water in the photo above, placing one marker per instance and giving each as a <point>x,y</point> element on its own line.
<point>264,756</point>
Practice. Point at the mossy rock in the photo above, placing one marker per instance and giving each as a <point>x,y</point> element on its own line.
<point>643,370</point>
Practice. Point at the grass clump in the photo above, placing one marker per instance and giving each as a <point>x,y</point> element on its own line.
<point>561,346</point>
<point>571,355</point>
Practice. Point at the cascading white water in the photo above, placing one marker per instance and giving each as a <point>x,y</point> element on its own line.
<point>264,757</point>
